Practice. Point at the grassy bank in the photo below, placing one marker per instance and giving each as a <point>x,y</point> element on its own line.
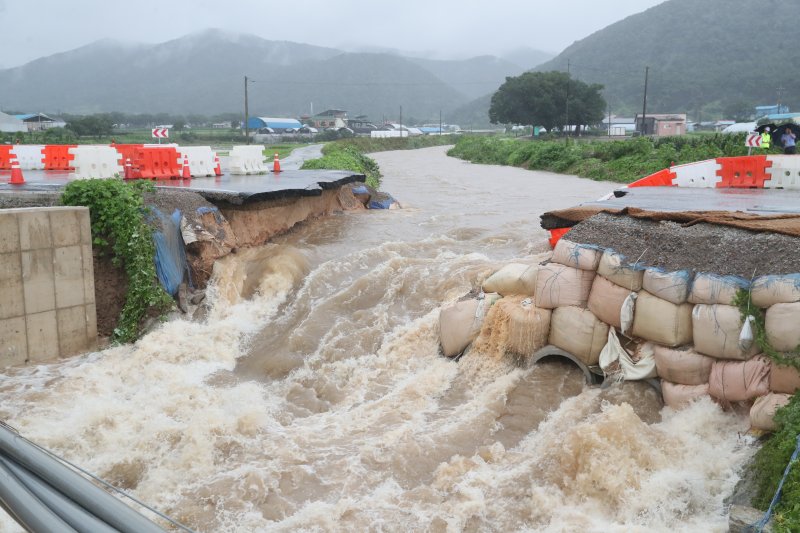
<point>337,156</point>
<point>349,154</point>
<point>621,161</point>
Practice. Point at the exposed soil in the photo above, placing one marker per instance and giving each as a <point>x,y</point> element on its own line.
<point>110,287</point>
<point>701,247</point>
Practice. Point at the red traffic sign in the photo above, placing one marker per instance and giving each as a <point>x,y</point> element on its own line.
<point>160,133</point>
<point>753,141</point>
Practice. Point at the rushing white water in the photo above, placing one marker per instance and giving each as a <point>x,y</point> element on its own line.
<point>313,398</point>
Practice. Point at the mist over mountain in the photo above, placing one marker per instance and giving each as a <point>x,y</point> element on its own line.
<point>203,73</point>
<point>703,55</point>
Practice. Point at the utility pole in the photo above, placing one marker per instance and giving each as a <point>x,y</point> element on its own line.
<point>566,113</point>
<point>780,97</point>
<point>440,123</point>
<point>246,115</point>
<point>644,103</point>
<point>401,122</point>
<point>609,121</point>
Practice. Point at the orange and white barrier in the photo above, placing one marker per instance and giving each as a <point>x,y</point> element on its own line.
<point>248,159</point>
<point>200,159</point>
<point>95,162</point>
<point>30,156</point>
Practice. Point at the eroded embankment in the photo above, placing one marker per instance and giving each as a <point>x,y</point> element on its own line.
<point>211,231</point>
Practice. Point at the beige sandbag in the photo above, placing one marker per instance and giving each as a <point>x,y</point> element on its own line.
<point>771,290</point>
<point>661,321</point>
<point>678,396</point>
<point>528,280</point>
<point>670,286</point>
<point>614,267</point>
<point>683,366</point>
<point>783,326</point>
<point>507,280</point>
<point>716,330</point>
<point>579,332</point>
<point>735,381</point>
<point>582,256</point>
<point>606,299</point>
<point>762,414</point>
<point>514,325</point>
<point>560,286</point>
<point>785,379</point>
<point>713,289</point>
<point>460,323</point>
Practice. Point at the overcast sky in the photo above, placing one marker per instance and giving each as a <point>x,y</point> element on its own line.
<point>438,28</point>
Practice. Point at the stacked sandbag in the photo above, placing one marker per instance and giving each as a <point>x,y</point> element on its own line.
<point>606,299</point>
<point>713,289</point>
<point>762,414</point>
<point>770,290</point>
<point>579,332</point>
<point>615,268</point>
<point>781,325</point>
<point>514,325</point>
<point>514,278</point>
<point>716,329</point>
<point>460,323</point>
<point>560,286</point>
<point>785,379</point>
<point>737,381</point>
<point>670,286</point>
<point>678,396</point>
<point>580,256</point>
<point>683,366</point>
<point>662,321</point>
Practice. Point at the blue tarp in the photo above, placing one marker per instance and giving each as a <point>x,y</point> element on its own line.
<point>170,252</point>
<point>361,189</point>
<point>381,204</point>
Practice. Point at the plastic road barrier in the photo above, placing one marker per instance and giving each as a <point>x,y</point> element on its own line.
<point>248,160</point>
<point>92,162</point>
<point>201,160</point>
<point>784,172</point>
<point>5,157</point>
<point>30,156</point>
<point>156,163</point>
<point>58,157</point>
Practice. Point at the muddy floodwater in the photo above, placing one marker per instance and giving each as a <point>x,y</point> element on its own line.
<point>314,397</point>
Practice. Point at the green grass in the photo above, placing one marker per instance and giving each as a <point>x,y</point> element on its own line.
<point>338,156</point>
<point>621,161</point>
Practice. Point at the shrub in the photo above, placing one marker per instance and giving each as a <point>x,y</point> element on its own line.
<point>118,226</point>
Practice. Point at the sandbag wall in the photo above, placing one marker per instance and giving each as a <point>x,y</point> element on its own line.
<point>638,322</point>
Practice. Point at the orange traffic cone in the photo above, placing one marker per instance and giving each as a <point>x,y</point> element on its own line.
<point>217,168</point>
<point>186,174</point>
<point>16,173</point>
<point>276,164</point>
<point>128,169</point>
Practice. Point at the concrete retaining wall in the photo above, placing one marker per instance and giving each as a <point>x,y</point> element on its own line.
<point>47,300</point>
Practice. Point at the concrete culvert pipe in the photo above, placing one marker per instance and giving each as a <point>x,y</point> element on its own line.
<point>551,352</point>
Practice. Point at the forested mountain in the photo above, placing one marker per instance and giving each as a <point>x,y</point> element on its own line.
<point>203,73</point>
<point>703,55</point>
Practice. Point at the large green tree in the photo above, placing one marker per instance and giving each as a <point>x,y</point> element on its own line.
<point>540,99</point>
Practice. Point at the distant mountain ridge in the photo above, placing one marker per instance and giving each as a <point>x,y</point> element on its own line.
<point>702,54</point>
<point>705,56</point>
<point>203,73</point>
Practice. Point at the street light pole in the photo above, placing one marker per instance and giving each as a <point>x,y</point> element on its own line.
<point>246,115</point>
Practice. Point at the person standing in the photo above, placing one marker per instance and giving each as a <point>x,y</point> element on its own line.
<point>788,140</point>
<point>766,139</point>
